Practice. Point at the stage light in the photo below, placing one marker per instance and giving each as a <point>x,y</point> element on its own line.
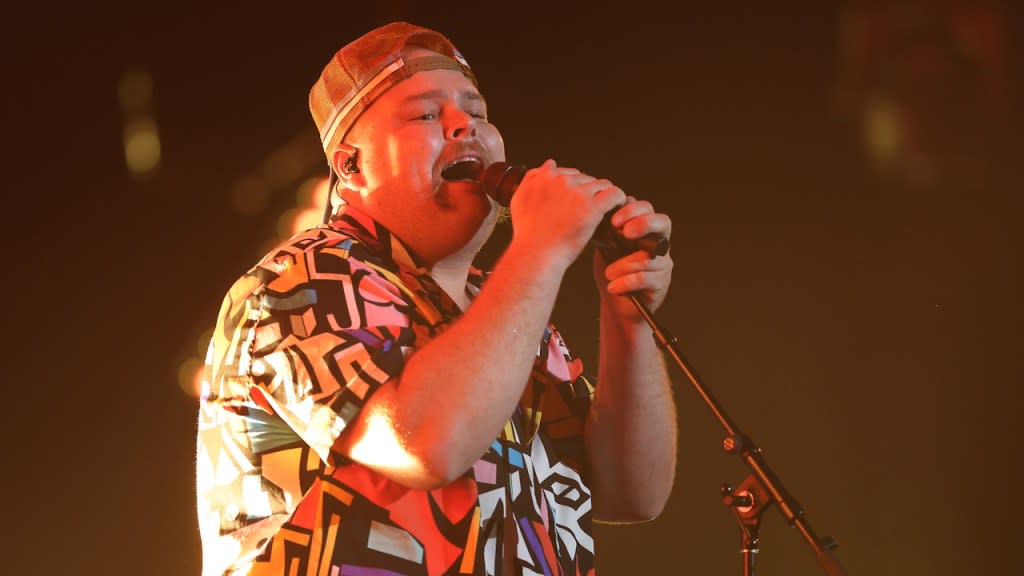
<point>250,195</point>
<point>305,219</point>
<point>312,193</point>
<point>883,131</point>
<point>142,149</point>
<point>310,198</point>
<point>141,146</point>
<point>192,377</point>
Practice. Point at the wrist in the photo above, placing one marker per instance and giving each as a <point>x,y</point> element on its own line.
<point>542,257</point>
<point>620,314</point>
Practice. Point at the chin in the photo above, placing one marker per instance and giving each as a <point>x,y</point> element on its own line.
<point>464,198</point>
<point>473,226</point>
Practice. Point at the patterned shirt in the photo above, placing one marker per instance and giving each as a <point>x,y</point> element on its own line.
<point>302,340</point>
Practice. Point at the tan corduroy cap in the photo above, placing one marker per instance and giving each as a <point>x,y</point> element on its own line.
<point>366,67</point>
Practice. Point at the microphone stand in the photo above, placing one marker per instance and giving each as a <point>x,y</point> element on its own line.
<point>762,487</point>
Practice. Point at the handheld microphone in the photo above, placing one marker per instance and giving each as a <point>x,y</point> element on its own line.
<point>500,180</point>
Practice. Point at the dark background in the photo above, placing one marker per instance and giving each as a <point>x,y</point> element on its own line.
<point>860,319</point>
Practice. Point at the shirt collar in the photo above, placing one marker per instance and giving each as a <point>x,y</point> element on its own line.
<point>364,229</point>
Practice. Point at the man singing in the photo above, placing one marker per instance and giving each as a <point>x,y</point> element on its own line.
<point>375,405</point>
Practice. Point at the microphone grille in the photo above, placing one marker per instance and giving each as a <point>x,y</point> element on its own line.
<point>501,179</point>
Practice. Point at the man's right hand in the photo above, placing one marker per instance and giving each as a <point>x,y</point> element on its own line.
<point>556,210</point>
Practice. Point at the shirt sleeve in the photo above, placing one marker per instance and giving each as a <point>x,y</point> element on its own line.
<point>328,331</point>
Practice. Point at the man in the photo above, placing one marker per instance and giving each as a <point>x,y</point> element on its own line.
<point>375,407</point>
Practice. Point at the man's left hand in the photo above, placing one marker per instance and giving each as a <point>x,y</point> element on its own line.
<point>637,273</point>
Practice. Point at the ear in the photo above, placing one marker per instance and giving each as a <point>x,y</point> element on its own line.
<point>346,153</point>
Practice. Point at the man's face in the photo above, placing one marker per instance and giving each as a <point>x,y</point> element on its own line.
<point>406,139</point>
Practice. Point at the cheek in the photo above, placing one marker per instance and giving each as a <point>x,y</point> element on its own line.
<point>412,150</point>
<point>491,139</point>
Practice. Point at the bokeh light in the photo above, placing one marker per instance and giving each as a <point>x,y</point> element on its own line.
<point>142,149</point>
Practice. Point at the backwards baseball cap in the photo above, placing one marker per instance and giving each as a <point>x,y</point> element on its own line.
<point>366,67</point>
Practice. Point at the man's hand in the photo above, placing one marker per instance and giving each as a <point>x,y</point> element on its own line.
<point>556,209</point>
<point>638,273</point>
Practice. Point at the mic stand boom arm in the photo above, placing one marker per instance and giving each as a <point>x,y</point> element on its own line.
<point>763,486</point>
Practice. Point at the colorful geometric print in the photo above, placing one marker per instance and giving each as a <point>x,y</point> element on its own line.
<point>302,341</point>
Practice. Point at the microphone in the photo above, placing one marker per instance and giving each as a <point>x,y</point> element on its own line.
<point>500,180</point>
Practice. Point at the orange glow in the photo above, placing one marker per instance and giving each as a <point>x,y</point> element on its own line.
<point>310,199</point>
<point>203,342</point>
<point>135,90</point>
<point>380,447</point>
<point>286,222</point>
<point>192,377</point>
<point>141,146</point>
<point>306,219</point>
<point>312,193</point>
<point>141,137</point>
<point>883,131</point>
<point>250,195</point>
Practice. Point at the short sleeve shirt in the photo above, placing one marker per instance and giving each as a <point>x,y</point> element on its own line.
<point>302,340</point>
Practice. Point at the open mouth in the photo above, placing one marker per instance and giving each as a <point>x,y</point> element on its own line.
<point>463,170</point>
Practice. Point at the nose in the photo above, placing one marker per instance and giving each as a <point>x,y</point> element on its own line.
<point>459,126</point>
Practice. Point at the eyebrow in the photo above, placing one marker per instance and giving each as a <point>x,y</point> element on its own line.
<point>432,94</point>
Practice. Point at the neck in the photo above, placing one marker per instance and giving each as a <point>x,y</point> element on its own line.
<point>451,271</point>
<point>451,274</point>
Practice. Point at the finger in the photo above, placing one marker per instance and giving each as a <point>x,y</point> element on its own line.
<point>577,178</point>
<point>608,198</point>
<point>631,209</point>
<point>638,261</point>
<point>637,282</point>
<point>596,185</point>
<point>642,225</point>
<point>550,164</point>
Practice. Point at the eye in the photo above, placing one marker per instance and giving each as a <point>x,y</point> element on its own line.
<point>427,116</point>
<point>476,111</point>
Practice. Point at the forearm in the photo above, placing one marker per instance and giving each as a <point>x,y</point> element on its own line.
<point>457,392</point>
<point>631,429</point>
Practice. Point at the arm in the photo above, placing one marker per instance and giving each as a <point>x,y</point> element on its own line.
<point>631,428</point>
<point>429,425</point>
